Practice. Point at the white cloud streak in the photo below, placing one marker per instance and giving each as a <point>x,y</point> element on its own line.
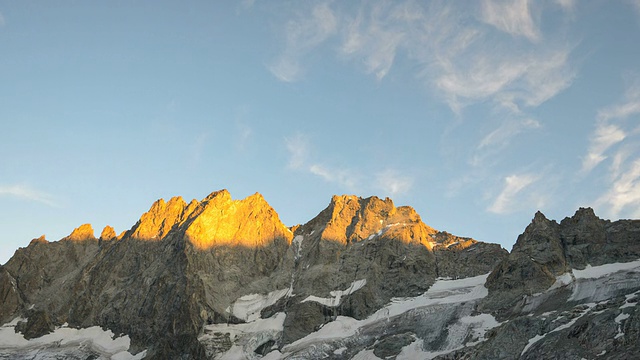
<point>393,183</point>
<point>500,138</point>
<point>244,135</point>
<point>342,177</point>
<point>604,137</point>
<point>567,5</point>
<point>298,149</point>
<point>507,201</point>
<point>609,128</point>
<point>390,181</point>
<point>511,16</point>
<point>458,49</point>
<point>624,193</point>
<point>505,132</point>
<point>302,35</point>
<point>26,192</point>
<point>491,51</point>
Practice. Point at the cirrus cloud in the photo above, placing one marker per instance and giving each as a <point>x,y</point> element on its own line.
<point>26,192</point>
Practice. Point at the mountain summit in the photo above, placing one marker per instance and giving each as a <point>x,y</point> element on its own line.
<point>224,278</point>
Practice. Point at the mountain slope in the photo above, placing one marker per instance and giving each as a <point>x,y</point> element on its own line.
<point>224,278</point>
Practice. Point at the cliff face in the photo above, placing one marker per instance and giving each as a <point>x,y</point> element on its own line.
<point>222,276</point>
<point>547,250</point>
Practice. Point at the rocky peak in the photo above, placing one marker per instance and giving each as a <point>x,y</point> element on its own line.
<point>81,233</point>
<point>220,220</point>
<point>42,239</point>
<point>156,223</point>
<point>349,218</point>
<point>108,233</point>
<point>583,217</point>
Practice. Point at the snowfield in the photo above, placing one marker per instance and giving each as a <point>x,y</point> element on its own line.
<point>66,341</point>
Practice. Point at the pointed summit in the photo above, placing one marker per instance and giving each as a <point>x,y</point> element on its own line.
<point>83,232</point>
<point>108,233</point>
<point>220,220</point>
<point>156,223</point>
<point>349,218</point>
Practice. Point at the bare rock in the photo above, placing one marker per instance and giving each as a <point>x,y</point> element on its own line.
<point>81,233</point>
<point>9,296</point>
<point>108,233</point>
<point>38,324</point>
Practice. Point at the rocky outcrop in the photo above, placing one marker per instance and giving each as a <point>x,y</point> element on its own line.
<point>81,233</point>
<point>39,323</point>
<point>108,233</point>
<point>363,278</point>
<point>547,250</point>
<point>156,223</point>
<point>9,296</point>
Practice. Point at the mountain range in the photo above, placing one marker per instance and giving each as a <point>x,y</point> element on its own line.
<point>226,279</point>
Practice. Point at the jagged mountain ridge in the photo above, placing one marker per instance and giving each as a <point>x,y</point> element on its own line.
<point>186,277</point>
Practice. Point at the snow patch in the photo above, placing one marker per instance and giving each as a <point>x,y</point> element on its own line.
<point>272,324</point>
<point>621,317</point>
<point>274,355</point>
<point>338,294</point>
<point>248,307</point>
<point>628,303</point>
<point>441,292</point>
<point>594,272</point>
<point>532,341</point>
<point>539,337</point>
<point>340,350</point>
<point>98,340</point>
<point>246,337</point>
<point>365,355</point>
<point>342,327</point>
<point>297,242</point>
<point>562,281</point>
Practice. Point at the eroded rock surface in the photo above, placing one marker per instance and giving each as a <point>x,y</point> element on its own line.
<point>362,279</point>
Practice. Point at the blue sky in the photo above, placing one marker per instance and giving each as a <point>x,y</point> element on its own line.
<point>476,113</point>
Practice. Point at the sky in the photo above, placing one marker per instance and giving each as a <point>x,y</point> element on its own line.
<point>475,113</point>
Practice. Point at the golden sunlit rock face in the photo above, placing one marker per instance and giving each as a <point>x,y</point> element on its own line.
<point>83,232</point>
<point>156,223</point>
<point>216,220</point>
<point>108,233</point>
<point>354,219</point>
<point>250,222</point>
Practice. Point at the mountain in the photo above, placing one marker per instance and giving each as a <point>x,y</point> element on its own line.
<point>226,279</point>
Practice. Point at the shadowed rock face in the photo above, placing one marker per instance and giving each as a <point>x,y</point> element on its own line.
<point>182,266</point>
<point>547,249</point>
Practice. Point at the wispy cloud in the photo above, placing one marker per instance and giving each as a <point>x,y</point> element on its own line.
<point>297,146</point>
<point>636,5</point>
<point>198,147</point>
<point>299,159</point>
<point>609,129</point>
<point>26,192</point>
<point>511,16</point>
<point>618,139</point>
<point>498,139</point>
<point>1,20</point>
<point>244,133</point>
<point>457,55</point>
<point>506,131</point>
<point>343,177</point>
<point>568,5</point>
<point>605,136</point>
<point>302,35</point>
<point>508,199</point>
<point>392,182</point>
<point>623,196</point>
